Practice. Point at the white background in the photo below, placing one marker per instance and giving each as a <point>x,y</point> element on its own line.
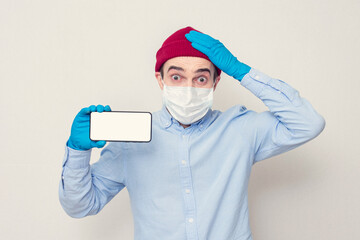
<point>57,57</point>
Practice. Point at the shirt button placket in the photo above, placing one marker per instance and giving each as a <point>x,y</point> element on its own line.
<point>188,195</point>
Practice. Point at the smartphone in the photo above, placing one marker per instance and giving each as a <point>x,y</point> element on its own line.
<point>121,126</point>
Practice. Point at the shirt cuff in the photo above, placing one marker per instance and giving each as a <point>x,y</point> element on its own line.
<point>256,81</point>
<point>76,159</point>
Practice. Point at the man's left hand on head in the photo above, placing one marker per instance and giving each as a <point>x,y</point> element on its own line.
<point>218,54</point>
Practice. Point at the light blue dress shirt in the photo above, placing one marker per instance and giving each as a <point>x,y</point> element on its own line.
<point>192,183</point>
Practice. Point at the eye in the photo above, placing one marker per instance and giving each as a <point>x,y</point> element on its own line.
<point>175,77</point>
<point>202,80</point>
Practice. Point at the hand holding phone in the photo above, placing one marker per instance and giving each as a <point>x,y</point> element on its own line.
<point>79,137</point>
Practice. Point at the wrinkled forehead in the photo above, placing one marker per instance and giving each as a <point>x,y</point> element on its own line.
<point>189,63</point>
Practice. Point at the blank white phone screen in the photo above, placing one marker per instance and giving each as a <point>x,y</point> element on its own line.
<point>120,126</point>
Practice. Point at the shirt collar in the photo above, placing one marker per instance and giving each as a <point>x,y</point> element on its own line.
<point>165,117</point>
<point>167,120</point>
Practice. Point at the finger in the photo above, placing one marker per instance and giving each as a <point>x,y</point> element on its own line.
<point>200,41</point>
<point>201,38</point>
<point>84,111</point>
<point>201,48</point>
<point>100,144</point>
<point>107,108</point>
<point>100,108</point>
<point>92,108</point>
<point>194,39</point>
<point>93,143</point>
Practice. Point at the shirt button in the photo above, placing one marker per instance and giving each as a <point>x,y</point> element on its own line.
<point>257,77</point>
<point>183,162</point>
<point>191,220</point>
<point>62,177</point>
<point>183,136</point>
<point>187,190</point>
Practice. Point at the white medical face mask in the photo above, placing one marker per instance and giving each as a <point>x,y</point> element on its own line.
<point>187,104</point>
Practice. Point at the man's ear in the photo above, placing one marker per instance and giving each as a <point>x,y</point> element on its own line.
<point>158,78</point>
<point>217,79</point>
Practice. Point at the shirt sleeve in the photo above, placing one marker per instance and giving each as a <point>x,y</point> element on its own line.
<point>85,189</point>
<point>290,122</point>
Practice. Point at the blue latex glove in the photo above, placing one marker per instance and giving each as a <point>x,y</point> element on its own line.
<point>80,129</point>
<point>218,54</point>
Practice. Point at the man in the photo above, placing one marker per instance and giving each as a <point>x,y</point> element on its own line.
<point>190,181</point>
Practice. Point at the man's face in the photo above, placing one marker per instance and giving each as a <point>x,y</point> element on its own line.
<point>188,72</point>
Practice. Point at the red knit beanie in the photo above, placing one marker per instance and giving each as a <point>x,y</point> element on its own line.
<point>177,45</point>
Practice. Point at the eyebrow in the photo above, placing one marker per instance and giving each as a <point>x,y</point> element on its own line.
<point>197,71</point>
